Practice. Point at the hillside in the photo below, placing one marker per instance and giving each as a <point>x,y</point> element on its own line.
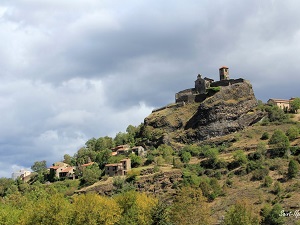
<point>234,182</point>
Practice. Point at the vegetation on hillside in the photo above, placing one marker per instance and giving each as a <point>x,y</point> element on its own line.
<point>244,178</point>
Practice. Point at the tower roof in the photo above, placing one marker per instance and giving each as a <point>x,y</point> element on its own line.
<point>223,67</point>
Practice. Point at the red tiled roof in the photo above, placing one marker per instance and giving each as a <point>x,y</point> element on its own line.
<point>87,164</point>
<point>66,170</point>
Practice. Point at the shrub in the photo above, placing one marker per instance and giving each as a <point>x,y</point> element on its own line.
<point>242,212</point>
<point>267,181</point>
<point>272,215</point>
<point>292,133</point>
<point>277,188</point>
<point>280,142</point>
<point>240,157</point>
<point>185,157</point>
<point>293,169</point>
<point>265,136</point>
<point>259,174</point>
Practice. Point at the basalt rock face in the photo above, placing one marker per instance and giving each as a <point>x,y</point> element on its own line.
<point>229,110</point>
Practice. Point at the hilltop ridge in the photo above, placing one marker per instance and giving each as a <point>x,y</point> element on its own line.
<point>215,109</point>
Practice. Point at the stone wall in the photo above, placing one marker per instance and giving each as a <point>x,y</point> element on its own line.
<point>227,82</point>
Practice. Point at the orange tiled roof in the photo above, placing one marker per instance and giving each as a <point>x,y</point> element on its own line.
<point>87,164</point>
<point>66,170</point>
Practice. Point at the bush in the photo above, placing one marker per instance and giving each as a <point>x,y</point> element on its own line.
<point>292,133</point>
<point>265,136</point>
<point>267,181</point>
<point>280,142</point>
<point>185,157</point>
<point>275,114</point>
<point>272,216</point>
<point>259,174</point>
<point>242,212</point>
<point>277,188</point>
<point>293,169</point>
<point>240,157</point>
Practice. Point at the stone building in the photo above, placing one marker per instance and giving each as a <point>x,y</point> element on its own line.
<point>224,73</point>
<point>20,174</point>
<point>284,104</point>
<point>202,85</point>
<point>139,151</point>
<point>118,169</point>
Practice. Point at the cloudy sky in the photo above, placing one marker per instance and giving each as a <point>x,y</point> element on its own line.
<point>73,70</point>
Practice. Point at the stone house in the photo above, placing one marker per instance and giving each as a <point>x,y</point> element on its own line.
<point>68,173</point>
<point>20,174</point>
<point>284,104</point>
<point>121,149</point>
<point>62,170</point>
<point>118,169</point>
<point>139,151</point>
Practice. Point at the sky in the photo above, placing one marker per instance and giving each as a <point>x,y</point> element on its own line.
<point>73,70</point>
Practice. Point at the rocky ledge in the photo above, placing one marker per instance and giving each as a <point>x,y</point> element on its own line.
<point>231,109</point>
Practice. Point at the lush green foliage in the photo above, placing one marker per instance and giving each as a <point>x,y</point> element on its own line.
<point>280,141</point>
<point>292,133</point>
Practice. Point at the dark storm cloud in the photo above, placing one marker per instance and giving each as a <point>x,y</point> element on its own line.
<point>75,70</point>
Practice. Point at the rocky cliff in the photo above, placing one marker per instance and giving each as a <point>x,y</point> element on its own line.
<point>229,110</point>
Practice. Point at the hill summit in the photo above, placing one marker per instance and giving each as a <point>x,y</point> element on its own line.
<point>211,109</point>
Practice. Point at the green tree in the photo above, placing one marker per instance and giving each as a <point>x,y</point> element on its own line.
<point>292,133</point>
<point>190,208</point>
<point>275,114</point>
<point>212,154</point>
<point>272,216</point>
<point>166,151</point>
<point>136,161</point>
<point>90,174</point>
<point>68,159</point>
<point>241,212</point>
<point>295,105</point>
<point>280,141</point>
<point>240,157</point>
<point>185,157</point>
<point>103,143</point>
<point>94,209</point>
<point>39,166</point>
<point>9,215</point>
<point>265,136</point>
<point>121,138</point>
<point>160,214</point>
<point>5,184</point>
<point>293,169</point>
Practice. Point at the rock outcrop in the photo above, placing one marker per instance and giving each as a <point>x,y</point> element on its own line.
<point>229,110</point>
